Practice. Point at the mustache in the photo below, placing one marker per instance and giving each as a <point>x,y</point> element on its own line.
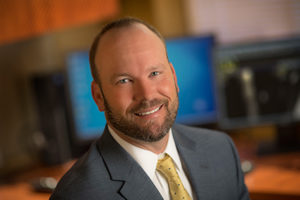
<point>144,104</point>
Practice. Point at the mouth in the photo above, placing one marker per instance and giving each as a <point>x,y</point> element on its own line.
<point>149,112</point>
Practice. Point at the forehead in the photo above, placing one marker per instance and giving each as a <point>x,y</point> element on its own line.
<point>127,34</point>
<point>128,43</point>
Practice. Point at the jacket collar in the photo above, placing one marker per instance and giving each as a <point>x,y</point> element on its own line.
<point>122,167</point>
<point>194,160</point>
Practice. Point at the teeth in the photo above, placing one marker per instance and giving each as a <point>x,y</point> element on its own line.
<point>149,112</point>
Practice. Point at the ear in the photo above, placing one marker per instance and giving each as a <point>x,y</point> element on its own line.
<point>174,75</point>
<point>97,96</point>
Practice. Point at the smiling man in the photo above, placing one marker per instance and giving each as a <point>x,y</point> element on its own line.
<point>142,154</point>
<point>137,86</point>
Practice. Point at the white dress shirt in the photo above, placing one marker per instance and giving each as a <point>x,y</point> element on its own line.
<point>148,160</point>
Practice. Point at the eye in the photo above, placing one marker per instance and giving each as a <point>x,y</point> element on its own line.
<point>155,73</point>
<point>123,81</point>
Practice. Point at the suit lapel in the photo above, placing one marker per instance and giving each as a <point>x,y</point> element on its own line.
<point>122,167</point>
<point>196,165</point>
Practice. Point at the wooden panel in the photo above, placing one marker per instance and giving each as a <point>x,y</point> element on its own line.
<point>22,19</point>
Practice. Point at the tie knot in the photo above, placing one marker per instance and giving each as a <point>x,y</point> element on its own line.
<point>166,166</point>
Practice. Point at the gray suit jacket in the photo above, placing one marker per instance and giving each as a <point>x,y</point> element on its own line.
<point>107,171</point>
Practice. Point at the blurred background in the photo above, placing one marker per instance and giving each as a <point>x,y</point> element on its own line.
<point>245,53</point>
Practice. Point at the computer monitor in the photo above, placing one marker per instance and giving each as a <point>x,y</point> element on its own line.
<point>259,83</point>
<point>86,121</point>
<point>192,60</point>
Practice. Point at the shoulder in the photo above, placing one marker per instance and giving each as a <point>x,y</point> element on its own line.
<point>200,134</point>
<point>87,178</point>
<point>216,151</point>
<point>214,143</point>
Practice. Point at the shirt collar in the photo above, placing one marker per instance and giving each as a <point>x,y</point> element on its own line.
<point>147,159</point>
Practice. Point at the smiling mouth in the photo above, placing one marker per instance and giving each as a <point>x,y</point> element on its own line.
<point>149,112</point>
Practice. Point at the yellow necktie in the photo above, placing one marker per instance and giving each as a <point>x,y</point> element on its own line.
<point>167,168</point>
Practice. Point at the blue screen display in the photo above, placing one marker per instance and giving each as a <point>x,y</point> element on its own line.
<point>192,60</point>
<point>89,122</point>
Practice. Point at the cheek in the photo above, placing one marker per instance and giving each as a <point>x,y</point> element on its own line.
<point>168,88</point>
<point>119,100</point>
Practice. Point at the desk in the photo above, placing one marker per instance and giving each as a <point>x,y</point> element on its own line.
<point>273,178</point>
<point>22,190</point>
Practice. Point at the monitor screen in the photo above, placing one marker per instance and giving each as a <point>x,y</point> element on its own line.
<point>192,60</point>
<point>258,83</point>
<point>88,121</point>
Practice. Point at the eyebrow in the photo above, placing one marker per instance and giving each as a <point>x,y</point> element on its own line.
<point>159,66</point>
<point>154,67</point>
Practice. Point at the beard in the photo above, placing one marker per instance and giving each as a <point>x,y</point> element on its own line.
<point>150,131</point>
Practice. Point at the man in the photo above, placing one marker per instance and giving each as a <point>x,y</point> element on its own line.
<point>135,85</point>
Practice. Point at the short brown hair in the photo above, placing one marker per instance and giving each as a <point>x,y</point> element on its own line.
<point>120,23</point>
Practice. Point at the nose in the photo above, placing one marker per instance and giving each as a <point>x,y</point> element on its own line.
<point>143,90</point>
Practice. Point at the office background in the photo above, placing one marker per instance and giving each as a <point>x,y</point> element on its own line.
<point>37,38</point>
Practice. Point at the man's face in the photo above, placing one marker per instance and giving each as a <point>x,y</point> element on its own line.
<point>139,88</point>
